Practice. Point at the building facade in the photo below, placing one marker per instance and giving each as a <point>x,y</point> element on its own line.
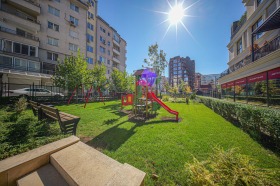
<point>254,55</point>
<point>197,81</point>
<point>35,35</point>
<point>111,48</point>
<point>181,68</point>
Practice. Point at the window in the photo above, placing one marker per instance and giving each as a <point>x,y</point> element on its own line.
<point>20,63</point>
<point>91,2</point>
<point>52,56</point>
<point>109,43</point>
<point>271,8</point>
<point>17,48</point>
<point>255,26</point>
<point>73,47</point>
<point>20,32</point>
<point>52,41</point>
<point>89,48</point>
<point>90,26</point>
<point>109,52</point>
<point>102,40</point>
<point>54,11</point>
<point>89,37</point>
<point>24,49</point>
<point>102,49</point>
<point>239,46</point>
<point>74,20</point>
<point>109,34</point>
<point>90,15</point>
<point>108,62</point>
<point>73,34</point>
<point>8,45</point>
<point>57,1</point>
<point>259,2</point>
<point>90,60</point>
<point>102,59</point>
<point>108,72</point>
<point>33,66</point>
<point>6,61</point>
<point>74,7</point>
<point>32,51</point>
<point>53,26</point>
<point>102,29</point>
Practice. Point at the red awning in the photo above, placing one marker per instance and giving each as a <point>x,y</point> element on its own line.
<point>224,85</point>
<point>257,77</point>
<point>274,74</point>
<point>230,84</point>
<point>240,81</point>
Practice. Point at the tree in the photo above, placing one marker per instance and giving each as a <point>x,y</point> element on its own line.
<point>71,72</point>
<point>98,76</point>
<point>166,86</point>
<point>157,61</point>
<point>122,81</point>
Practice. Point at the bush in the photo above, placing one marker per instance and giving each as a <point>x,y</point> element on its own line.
<point>193,96</point>
<point>165,98</point>
<point>263,124</point>
<point>21,105</point>
<point>228,168</point>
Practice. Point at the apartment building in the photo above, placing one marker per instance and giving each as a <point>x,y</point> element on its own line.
<point>111,48</point>
<point>197,81</point>
<point>181,68</point>
<point>254,50</point>
<point>35,35</point>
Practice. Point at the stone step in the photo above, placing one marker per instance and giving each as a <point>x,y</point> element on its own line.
<point>44,176</point>
<point>80,164</point>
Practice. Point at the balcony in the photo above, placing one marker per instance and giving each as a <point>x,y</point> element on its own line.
<point>14,32</point>
<point>26,5</point>
<point>116,51</point>
<point>239,24</point>
<point>19,18</point>
<point>24,69</point>
<point>116,43</point>
<point>259,53</point>
<point>115,59</point>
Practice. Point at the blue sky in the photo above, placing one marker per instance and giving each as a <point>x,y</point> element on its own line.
<point>139,25</point>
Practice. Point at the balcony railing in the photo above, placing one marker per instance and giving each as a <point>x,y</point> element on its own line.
<point>33,2</point>
<point>259,53</point>
<point>14,32</point>
<point>19,14</point>
<point>238,28</point>
<point>26,69</point>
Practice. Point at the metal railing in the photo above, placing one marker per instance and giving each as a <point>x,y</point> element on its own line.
<point>259,53</point>
<point>20,15</point>
<point>14,32</point>
<point>26,69</point>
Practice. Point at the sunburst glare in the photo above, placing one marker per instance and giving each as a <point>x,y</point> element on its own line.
<point>176,16</point>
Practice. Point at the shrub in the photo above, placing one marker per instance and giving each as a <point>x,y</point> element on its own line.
<point>21,105</point>
<point>263,124</point>
<point>165,98</point>
<point>228,168</point>
<point>193,96</point>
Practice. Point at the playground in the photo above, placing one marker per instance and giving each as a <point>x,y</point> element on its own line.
<point>159,147</point>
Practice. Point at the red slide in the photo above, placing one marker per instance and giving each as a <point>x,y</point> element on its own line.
<point>154,97</point>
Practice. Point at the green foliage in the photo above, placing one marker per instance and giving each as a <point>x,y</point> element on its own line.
<point>122,81</point>
<point>21,105</point>
<point>228,168</point>
<point>98,76</point>
<point>165,98</point>
<point>157,61</point>
<point>261,123</point>
<point>71,72</point>
<point>193,96</point>
<point>20,132</point>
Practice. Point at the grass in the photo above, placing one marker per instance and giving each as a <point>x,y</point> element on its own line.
<point>163,147</point>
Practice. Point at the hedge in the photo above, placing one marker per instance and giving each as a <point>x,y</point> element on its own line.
<point>263,124</point>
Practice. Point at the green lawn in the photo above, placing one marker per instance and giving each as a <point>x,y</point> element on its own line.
<point>161,147</point>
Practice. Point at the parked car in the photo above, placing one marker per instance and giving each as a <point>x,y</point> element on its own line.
<point>31,92</point>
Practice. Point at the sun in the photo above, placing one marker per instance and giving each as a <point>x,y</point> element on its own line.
<point>176,14</point>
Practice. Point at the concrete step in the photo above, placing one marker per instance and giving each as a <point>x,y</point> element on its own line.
<point>80,164</point>
<point>44,176</point>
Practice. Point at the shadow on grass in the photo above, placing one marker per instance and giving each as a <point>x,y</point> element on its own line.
<point>114,137</point>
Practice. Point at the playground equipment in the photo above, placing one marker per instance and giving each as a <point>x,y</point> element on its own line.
<point>144,101</point>
<point>85,96</point>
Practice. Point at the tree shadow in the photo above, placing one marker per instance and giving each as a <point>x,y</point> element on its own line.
<point>115,137</point>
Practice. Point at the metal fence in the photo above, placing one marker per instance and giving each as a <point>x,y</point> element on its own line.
<point>11,91</point>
